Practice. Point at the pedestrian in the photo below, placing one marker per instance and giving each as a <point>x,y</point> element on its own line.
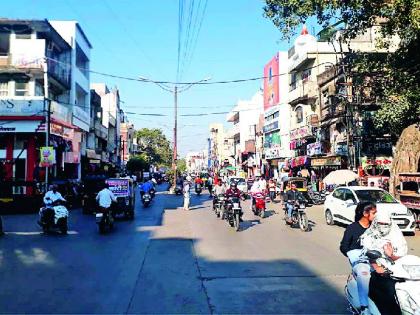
<point>186,191</point>
<point>272,189</point>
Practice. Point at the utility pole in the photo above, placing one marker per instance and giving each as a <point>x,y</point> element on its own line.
<point>47,105</point>
<point>175,132</point>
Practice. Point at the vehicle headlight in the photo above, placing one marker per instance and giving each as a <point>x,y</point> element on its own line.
<point>302,206</point>
<point>413,271</point>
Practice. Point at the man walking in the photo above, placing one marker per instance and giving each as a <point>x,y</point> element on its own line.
<point>186,191</point>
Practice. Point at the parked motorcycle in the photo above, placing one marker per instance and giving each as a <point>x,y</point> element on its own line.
<point>54,217</point>
<point>299,217</point>
<point>146,199</point>
<point>258,207</point>
<point>104,219</point>
<point>405,270</point>
<point>233,212</point>
<point>198,189</point>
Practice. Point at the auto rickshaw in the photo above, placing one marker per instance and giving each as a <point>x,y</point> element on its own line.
<point>123,189</point>
<point>301,185</point>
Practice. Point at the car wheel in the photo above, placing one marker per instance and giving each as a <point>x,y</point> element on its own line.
<point>329,218</point>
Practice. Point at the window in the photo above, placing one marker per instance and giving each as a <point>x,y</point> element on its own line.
<point>39,88</point>
<point>376,196</point>
<point>348,195</point>
<point>4,44</point>
<point>339,194</point>
<point>21,89</point>
<point>299,114</point>
<point>306,75</point>
<point>293,79</point>
<point>4,88</point>
<point>24,35</point>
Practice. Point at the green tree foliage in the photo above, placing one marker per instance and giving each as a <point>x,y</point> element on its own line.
<point>154,146</point>
<point>396,74</point>
<point>137,163</point>
<point>181,165</point>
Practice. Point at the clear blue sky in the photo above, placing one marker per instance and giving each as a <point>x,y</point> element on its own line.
<point>140,38</point>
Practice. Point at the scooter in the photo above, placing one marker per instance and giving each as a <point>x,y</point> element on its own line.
<point>54,217</point>
<point>258,207</point>
<point>146,199</point>
<point>406,270</point>
<point>104,219</point>
<point>198,189</point>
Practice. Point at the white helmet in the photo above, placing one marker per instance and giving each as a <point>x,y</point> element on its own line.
<point>189,178</point>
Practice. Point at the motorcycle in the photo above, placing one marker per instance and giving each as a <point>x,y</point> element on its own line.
<point>178,190</point>
<point>218,205</point>
<point>233,212</point>
<point>104,219</point>
<point>152,193</point>
<point>405,270</point>
<point>299,217</point>
<point>54,217</point>
<point>198,189</point>
<point>146,199</point>
<point>258,207</point>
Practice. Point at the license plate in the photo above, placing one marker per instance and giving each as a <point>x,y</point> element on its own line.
<point>99,217</point>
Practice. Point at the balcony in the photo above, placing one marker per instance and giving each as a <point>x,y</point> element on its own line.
<point>303,92</point>
<point>100,130</point>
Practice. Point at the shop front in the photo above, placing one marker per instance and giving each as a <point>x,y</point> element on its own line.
<point>322,166</point>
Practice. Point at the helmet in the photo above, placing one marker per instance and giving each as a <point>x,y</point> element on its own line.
<point>188,178</point>
<point>233,185</point>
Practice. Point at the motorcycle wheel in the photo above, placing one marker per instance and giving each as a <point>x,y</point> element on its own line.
<point>295,219</point>
<point>262,213</point>
<point>303,222</point>
<point>63,226</point>
<point>101,228</point>
<point>236,222</point>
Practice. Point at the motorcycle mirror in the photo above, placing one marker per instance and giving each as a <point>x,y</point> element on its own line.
<point>373,254</point>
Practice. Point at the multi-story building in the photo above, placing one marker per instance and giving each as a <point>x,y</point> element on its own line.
<point>110,102</point>
<point>276,114</point>
<point>127,136</point>
<point>37,74</point>
<point>216,140</point>
<point>245,117</point>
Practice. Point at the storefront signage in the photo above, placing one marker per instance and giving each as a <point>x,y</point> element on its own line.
<point>341,149</point>
<point>60,112</point>
<point>61,131</point>
<point>21,107</point>
<point>47,156</point>
<point>327,161</point>
<point>382,162</point>
<point>272,153</point>
<point>271,127</point>
<point>301,132</point>
<point>80,118</point>
<point>314,149</point>
<point>7,126</point>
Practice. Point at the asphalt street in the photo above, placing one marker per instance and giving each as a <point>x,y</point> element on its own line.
<point>169,260</point>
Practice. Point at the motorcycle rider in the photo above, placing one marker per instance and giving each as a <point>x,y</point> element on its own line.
<point>219,189</point>
<point>146,187</point>
<point>50,197</point>
<point>210,185</point>
<point>255,189</point>
<point>198,181</point>
<point>105,198</point>
<point>385,236</point>
<point>234,192</point>
<point>351,247</point>
<point>292,196</point>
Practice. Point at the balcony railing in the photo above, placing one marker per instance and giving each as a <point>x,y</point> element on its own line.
<point>303,90</point>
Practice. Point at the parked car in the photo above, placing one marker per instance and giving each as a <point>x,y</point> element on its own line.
<point>241,183</point>
<point>341,204</point>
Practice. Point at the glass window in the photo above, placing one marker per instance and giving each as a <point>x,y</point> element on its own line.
<point>4,44</point>
<point>339,194</point>
<point>4,88</point>
<point>299,114</point>
<point>21,88</point>
<point>376,196</point>
<point>39,88</point>
<point>348,195</point>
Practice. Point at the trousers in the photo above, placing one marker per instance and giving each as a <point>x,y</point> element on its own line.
<point>186,201</point>
<point>362,273</point>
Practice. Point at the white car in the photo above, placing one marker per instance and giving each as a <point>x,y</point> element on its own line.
<point>341,204</point>
<point>240,182</point>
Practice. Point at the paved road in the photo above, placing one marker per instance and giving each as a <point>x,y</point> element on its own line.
<point>173,261</point>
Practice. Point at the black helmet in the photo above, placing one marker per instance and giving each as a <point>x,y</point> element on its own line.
<point>233,185</point>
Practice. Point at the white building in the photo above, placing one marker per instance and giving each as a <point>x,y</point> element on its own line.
<point>245,117</point>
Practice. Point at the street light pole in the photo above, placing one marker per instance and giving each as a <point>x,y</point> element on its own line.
<point>175,153</point>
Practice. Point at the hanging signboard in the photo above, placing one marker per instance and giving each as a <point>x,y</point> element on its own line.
<point>382,162</point>
<point>301,132</point>
<point>314,149</point>
<point>327,161</point>
<point>47,157</point>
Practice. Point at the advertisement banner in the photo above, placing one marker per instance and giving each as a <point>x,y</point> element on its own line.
<point>119,186</point>
<point>271,127</point>
<point>47,157</point>
<point>327,161</point>
<point>382,162</point>
<point>314,149</point>
<point>271,82</point>
<point>301,132</point>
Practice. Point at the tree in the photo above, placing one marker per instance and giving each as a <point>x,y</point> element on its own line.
<point>181,165</point>
<point>155,146</point>
<point>397,86</point>
<point>137,163</point>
